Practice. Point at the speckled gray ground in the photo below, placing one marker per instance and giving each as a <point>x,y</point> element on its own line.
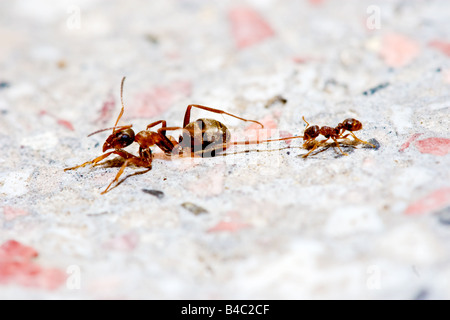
<point>276,226</point>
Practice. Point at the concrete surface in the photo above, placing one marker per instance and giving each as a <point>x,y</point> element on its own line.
<point>262,224</point>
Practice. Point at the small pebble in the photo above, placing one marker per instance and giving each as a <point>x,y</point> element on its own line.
<point>195,209</point>
<point>375,89</point>
<point>422,295</point>
<point>4,84</point>
<point>156,193</point>
<point>444,215</point>
<point>152,38</point>
<point>275,100</point>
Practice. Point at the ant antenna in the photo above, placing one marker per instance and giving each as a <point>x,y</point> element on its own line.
<point>121,100</point>
<point>307,124</point>
<point>120,128</point>
<point>118,118</point>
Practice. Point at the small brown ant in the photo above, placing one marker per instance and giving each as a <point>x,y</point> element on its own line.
<point>204,137</point>
<point>312,132</point>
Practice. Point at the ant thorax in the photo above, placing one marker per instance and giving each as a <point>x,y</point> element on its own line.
<point>146,138</point>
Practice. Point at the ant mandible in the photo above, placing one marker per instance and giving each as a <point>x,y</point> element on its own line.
<point>204,137</point>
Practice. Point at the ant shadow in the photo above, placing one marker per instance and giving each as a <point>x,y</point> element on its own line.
<point>255,150</point>
<point>129,176</point>
<point>347,145</point>
<point>118,163</point>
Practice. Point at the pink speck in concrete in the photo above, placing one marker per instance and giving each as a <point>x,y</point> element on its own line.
<point>231,223</point>
<point>248,27</point>
<point>316,2</point>
<point>107,110</point>
<point>254,132</point>
<point>408,142</point>
<point>126,242</point>
<point>443,46</point>
<point>11,213</point>
<point>14,250</point>
<point>434,201</point>
<point>436,146</point>
<point>210,184</point>
<point>446,76</point>
<point>155,101</point>
<point>299,60</point>
<point>184,163</point>
<point>398,50</point>
<point>286,134</point>
<point>17,267</point>
<point>65,123</point>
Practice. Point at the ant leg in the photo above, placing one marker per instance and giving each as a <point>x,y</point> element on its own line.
<point>125,164</point>
<point>187,115</point>
<point>163,125</point>
<point>210,151</point>
<point>164,129</point>
<point>131,159</point>
<point>164,142</point>
<point>263,141</point>
<point>225,145</point>
<point>93,162</point>
<point>337,144</point>
<point>173,140</point>
<point>316,144</point>
<point>362,141</point>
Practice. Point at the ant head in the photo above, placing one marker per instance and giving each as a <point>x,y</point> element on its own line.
<point>352,124</point>
<point>123,136</point>
<point>311,133</point>
<point>119,139</point>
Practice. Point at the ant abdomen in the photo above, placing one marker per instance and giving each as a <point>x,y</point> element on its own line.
<point>351,124</point>
<point>206,137</point>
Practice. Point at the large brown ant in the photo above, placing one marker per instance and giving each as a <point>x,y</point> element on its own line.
<point>203,137</point>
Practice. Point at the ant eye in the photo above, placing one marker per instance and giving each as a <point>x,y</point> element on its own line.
<point>125,137</point>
